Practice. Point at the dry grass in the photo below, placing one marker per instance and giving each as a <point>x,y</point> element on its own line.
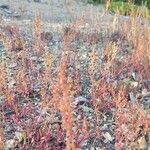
<point>57,93</point>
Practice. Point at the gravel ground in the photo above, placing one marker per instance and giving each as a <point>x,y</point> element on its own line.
<point>54,11</point>
<point>55,16</point>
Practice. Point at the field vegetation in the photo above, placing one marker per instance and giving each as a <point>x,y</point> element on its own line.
<point>77,98</point>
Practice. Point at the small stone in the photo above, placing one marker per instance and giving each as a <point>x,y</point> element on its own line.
<point>104,127</point>
<point>79,99</point>
<point>46,36</point>
<point>146,99</point>
<point>143,145</point>
<point>44,111</point>
<point>131,97</point>
<point>10,144</point>
<point>48,119</point>
<point>34,58</point>
<point>108,136</point>
<point>86,109</point>
<point>133,76</point>
<point>19,136</point>
<point>115,36</point>
<point>144,91</point>
<point>12,83</point>
<point>134,83</point>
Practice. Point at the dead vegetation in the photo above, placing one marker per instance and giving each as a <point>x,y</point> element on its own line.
<point>42,102</point>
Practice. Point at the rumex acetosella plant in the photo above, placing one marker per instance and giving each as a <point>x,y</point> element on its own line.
<point>39,96</point>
